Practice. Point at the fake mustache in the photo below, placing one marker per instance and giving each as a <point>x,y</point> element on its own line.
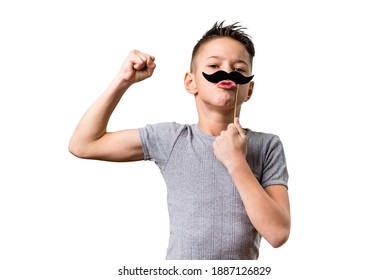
<point>221,75</point>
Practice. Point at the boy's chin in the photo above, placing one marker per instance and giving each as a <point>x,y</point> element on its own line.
<point>225,99</point>
<point>224,108</point>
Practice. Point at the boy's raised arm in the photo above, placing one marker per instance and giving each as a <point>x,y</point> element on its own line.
<point>90,138</point>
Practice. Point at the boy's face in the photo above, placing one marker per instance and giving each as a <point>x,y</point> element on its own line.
<point>222,53</point>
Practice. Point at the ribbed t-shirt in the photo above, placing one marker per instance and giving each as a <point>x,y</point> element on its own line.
<point>208,220</point>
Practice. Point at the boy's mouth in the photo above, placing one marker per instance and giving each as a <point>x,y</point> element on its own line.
<point>226,84</point>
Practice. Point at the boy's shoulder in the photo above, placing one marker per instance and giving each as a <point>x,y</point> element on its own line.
<point>263,141</point>
<point>259,135</point>
<point>166,126</point>
<point>164,129</point>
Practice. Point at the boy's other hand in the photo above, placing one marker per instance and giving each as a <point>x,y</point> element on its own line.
<point>230,147</point>
<point>137,67</point>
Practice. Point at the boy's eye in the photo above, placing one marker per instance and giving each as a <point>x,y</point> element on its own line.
<point>239,70</point>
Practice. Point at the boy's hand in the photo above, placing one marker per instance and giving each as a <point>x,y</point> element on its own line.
<point>137,67</point>
<point>231,146</point>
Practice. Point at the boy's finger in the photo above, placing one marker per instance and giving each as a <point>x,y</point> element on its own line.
<point>240,129</point>
<point>150,62</point>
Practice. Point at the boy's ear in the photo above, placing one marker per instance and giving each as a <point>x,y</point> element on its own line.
<point>190,84</point>
<point>250,92</point>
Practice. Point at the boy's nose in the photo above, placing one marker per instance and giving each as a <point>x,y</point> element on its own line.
<point>228,69</point>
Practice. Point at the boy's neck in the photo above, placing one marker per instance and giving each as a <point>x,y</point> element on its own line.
<point>214,125</point>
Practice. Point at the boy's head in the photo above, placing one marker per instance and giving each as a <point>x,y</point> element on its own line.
<point>233,31</point>
<point>219,57</point>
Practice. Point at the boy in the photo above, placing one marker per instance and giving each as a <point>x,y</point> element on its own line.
<point>226,186</point>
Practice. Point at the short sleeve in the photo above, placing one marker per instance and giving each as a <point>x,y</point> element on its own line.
<point>158,141</point>
<point>275,170</point>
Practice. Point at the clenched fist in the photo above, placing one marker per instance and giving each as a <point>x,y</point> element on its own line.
<point>230,147</point>
<point>137,67</point>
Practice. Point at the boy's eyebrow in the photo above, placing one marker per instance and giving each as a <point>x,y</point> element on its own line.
<point>222,58</point>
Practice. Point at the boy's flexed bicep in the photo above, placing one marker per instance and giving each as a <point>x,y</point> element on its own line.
<point>119,146</point>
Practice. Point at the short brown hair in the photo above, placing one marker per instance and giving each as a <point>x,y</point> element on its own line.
<point>234,31</point>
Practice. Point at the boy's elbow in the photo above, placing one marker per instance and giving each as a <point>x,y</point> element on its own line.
<point>278,239</point>
<point>279,242</point>
<point>77,150</point>
<point>74,151</point>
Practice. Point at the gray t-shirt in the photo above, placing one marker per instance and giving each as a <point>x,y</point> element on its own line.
<point>208,220</point>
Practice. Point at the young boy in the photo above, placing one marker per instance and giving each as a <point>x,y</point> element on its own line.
<point>226,186</point>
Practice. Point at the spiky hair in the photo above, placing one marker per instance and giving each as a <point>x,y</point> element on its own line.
<point>234,31</point>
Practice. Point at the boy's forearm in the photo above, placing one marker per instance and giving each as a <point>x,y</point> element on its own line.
<point>270,219</point>
<point>93,123</point>
<point>96,119</point>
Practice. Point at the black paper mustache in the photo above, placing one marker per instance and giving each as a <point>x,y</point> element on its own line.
<point>234,76</point>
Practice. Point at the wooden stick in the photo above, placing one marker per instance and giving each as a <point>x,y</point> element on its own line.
<point>236,101</point>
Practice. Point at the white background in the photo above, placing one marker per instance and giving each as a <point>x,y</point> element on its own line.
<point>321,72</point>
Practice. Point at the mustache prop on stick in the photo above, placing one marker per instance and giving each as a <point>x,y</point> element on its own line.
<point>234,76</point>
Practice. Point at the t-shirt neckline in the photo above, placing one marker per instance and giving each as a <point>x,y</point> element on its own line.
<point>201,133</point>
